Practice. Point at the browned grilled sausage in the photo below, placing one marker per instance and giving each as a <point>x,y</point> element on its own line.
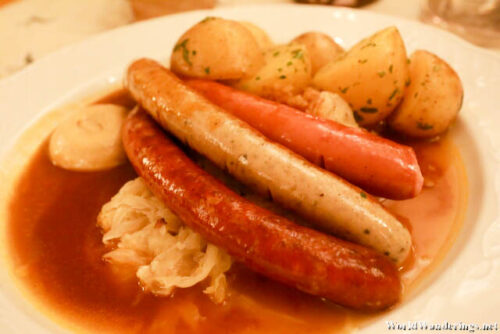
<point>320,196</point>
<point>345,273</point>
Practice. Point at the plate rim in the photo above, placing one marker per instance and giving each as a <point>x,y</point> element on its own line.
<point>43,62</point>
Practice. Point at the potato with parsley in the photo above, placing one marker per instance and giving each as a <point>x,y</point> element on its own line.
<point>217,49</point>
<point>431,101</point>
<point>321,47</point>
<point>287,72</point>
<point>261,37</point>
<point>371,76</point>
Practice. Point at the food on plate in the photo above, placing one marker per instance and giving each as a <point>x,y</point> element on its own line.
<point>217,49</point>
<point>90,139</point>
<point>231,144</point>
<point>286,72</point>
<point>167,255</point>
<point>321,48</point>
<point>311,261</point>
<point>432,99</point>
<point>261,37</point>
<point>376,164</point>
<point>243,187</point>
<point>371,76</point>
<point>331,106</point>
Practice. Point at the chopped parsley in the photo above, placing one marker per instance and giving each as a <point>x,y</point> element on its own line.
<point>369,101</point>
<point>208,18</point>
<point>193,52</point>
<point>381,74</point>
<point>343,90</point>
<point>289,63</point>
<point>357,116</point>
<point>408,61</point>
<point>394,92</point>
<point>298,54</point>
<point>371,44</point>
<point>368,110</point>
<point>424,126</point>
<point>257,78</point>
<point>407,82</point>
<point>276,54</point>
<point>366,231</point>
<point>282,76</point>
<point>362,61</point>
<point>182,46</point>
<point>207,70</point>
<point>390,68</point>
<point>362,194</point>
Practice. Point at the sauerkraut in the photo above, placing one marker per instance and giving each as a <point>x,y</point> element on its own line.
<point>144,233</point>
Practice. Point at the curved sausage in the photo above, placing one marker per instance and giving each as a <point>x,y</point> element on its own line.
<point>378,165</point>
<point>308,260</point>
<point>323,198</point>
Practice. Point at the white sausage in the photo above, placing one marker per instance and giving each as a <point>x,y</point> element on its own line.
<point>326,199</point>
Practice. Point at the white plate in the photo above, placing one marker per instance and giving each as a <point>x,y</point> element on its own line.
<point>466,287</point>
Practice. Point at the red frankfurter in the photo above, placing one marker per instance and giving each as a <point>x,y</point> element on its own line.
<point>378,165</point>
<point>316,263</point>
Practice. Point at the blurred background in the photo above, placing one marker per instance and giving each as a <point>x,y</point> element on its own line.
<point>30,29</point>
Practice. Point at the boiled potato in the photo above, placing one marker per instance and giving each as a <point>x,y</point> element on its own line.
<point>287,72</point>
<point>432,99</point>
<point>371,76</point>
<point>217,49</point>
<point>332,107</point>
<point>321,47</point>
<point>90,139</point>
<point>261,37</point>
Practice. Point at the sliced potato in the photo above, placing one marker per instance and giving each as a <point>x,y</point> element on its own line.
<point>321,47</point>
<point>371,76</point>
<point>90,139</point>
<point>287,72</point>
<point>217,49</point>
<point>431,101</point>
<point>261,37</point>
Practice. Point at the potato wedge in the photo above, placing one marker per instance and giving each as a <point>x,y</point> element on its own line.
<point>371,76</point>
<point>261,37</point>
<point>216,49</point>
<point>287,72</point>
<point>321,47</point>
<point>431,101</point>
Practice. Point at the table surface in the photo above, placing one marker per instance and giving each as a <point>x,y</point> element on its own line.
<point>34,28</point>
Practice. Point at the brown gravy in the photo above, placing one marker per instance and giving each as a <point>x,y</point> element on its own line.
<point>56,251</point>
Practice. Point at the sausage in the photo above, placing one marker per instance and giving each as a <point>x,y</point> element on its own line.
<point>316,194</point>
<point>316,263</point>
<point>378,165</point>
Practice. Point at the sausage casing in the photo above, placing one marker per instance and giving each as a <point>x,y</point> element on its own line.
<point>376,164</point>
<point>319,264</point>
<point>320,196</point>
